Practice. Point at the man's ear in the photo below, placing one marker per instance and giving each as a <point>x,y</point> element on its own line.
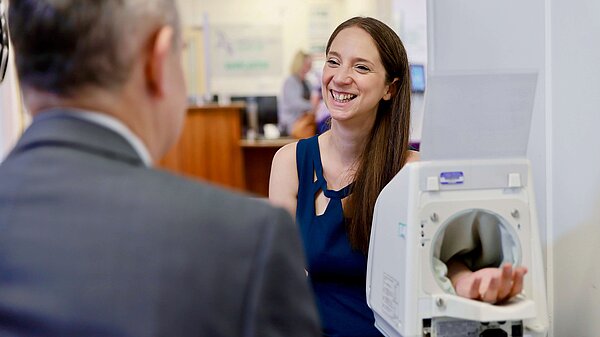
<point>157,66</point>
<point>391,89</point>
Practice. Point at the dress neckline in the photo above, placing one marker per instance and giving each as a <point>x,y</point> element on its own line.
<point>318,164</point>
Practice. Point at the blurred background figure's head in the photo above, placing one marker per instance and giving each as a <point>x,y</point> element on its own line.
<point>301,64</point>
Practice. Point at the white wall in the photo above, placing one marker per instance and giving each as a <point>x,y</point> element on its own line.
<point>575,174</point>
<point>290,16</point>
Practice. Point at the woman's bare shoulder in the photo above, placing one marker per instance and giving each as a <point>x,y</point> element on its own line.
<point>413,156</point>
<point>286,152</point>
<point>283,183</point>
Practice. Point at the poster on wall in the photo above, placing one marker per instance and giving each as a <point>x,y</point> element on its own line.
<point>319,28</point>
<point>246,50</point>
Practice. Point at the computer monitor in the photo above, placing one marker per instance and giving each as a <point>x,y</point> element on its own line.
<point>267,110</point>
<point>417,78</point>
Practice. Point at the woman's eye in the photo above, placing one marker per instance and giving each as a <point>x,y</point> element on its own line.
<point>332,62</point>
<point>362,69</point>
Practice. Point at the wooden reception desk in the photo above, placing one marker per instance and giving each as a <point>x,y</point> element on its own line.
<point>258,155</point>
<point>209,146</point>
<point>211,149</point>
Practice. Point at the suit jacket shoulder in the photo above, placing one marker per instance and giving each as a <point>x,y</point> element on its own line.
<point>98,244</point>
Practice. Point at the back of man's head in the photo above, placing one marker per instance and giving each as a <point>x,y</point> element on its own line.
<point>62,46</point>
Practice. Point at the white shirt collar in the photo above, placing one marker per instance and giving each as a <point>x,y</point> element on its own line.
<point>115,125</point>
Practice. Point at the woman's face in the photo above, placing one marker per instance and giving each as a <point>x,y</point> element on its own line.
<point>354,79</point>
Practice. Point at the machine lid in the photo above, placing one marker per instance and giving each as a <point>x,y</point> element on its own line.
<point>477,115</point>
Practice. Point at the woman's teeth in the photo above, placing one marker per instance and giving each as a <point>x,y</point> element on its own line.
<point>342,98</point>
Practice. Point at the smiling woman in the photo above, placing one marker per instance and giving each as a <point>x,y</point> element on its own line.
<point>330,182</point>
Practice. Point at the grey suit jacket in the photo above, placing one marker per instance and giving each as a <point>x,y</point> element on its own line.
<point>93,243</point>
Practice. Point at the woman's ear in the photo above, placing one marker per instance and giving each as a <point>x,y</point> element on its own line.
<point>157,66</point>
<point>391,89</point>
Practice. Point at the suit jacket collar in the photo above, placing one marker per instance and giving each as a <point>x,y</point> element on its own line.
<point>68,131</point>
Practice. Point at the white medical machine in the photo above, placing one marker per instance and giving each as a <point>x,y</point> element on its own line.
<point>470,195</point>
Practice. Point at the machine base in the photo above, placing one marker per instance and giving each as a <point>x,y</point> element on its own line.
<point>450,327</point>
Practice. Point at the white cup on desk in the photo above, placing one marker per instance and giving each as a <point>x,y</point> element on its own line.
<point>271,131</point>
<point>224,99</point>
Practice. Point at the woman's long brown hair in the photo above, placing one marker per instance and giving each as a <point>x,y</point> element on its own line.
<point>386,148</point>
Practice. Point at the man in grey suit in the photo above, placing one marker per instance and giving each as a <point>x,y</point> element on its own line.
<point>93,240</point>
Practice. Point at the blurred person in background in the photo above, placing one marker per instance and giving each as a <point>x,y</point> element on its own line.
<point>298,102</point>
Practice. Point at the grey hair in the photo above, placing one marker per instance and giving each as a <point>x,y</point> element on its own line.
<point>64,45</point>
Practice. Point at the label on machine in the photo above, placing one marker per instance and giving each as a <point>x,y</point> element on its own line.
<point>456,328</point>
<point>452,178</point>
<point>449,327</point>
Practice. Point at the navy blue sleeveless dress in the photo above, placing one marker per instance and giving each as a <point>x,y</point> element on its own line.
<point>336,272</point>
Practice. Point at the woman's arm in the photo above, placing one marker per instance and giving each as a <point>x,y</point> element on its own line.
<point>490,285</point>
<point>283,183</point>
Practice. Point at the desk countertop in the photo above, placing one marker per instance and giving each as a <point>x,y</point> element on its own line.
<point>263,142</point>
